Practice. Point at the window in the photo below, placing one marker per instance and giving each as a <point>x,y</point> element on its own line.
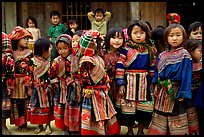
<point>78,11</point>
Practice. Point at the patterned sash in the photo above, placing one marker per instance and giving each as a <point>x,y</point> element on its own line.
<point>135,86</point>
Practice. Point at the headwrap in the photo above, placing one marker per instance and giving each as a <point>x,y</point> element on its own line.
<point>88,44</point>
<point>65,38</point>
<point>173,18</point>
<point>6,43</point>
<point>19,33</point>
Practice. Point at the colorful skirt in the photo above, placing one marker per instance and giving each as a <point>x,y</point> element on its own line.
<point>19,109</point>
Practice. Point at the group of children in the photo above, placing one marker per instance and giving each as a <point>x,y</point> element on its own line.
<point>99,81</point>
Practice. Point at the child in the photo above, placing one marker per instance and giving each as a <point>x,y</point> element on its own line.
<point>64,87</point>
<point>54,31</point>
<point>133,76</point>
<point>194,47</point>
<point>72,28</point>
<point>157,36</point>
<point>40,106</point>
<point>99,20</point>
<point>98,115</point>
<point>75,41</point>
<point>22,57</point>
<point>115,39</point>
<point>7,80</point>
<point>195,31</point>
<point>173,18</point>
<point>32,26</point>
<point>172,85</point>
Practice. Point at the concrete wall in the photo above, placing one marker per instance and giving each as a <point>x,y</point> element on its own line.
<point>9,16</point>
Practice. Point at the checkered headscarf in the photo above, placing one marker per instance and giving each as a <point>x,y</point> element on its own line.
<point>88,44</point>
<point>18,33</point>
<point>6,43</point>
<point>65,38</point>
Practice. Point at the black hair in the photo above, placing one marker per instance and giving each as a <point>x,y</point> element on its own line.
<point>14,44</point>
<point>167,32</point>
<point>143,26</point>
<point>33,20</point>
<point>150,26</point>
<point>71,21</point>
<point>54,13</point>
<point>158,37</point>
<point>110,34</point>
<point>78,32</point>
<point>192,44</point>
<point>99,10</point>
<point>194,26</point>
<point>41,45</point>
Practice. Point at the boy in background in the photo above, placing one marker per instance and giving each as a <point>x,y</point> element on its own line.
<point>54,31</point>
<point>99,20</point>
<point>72,27</point>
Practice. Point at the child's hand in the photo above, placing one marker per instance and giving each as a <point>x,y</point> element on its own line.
<point>29,91</point>
<point>122,90</point>
<point>73,30</point>
<point>9,91</point>
<point>88,92</point>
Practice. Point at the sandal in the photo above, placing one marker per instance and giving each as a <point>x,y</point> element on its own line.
<point>38,129</point>
<point>48,130</point>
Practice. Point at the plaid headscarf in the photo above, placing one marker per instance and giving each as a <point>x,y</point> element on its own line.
<point>65,38</point>
<point>88,44</point>
<point>19,33</point>
<point>6,43</point>
<point>173,18</point>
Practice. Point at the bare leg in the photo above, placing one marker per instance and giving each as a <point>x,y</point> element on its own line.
<point>48,129</point>
<point>24,128</point>
<point>39,129</point>
<point>130,131</point>
<point>140,128</point>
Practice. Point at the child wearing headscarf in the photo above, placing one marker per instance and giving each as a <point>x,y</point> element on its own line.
<point>98,116</point>
<point>66,107</point>
<point>22,57</point>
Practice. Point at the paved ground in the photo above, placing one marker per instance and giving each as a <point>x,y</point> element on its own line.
<point>55,131</point>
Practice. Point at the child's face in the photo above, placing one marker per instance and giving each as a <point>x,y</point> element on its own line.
<point>73,26</point>
<point>196,54</point>
<point>117,41</point>
<point>196,34</point>
<point>75,41</point>
<point>23,42</point>
<point>55,20</point>
<point>63,49</point>
<point>98,16</point>
<point>175,37</point>
<point>137,34</point>
<point>31,24</point>
<point>47,54</point>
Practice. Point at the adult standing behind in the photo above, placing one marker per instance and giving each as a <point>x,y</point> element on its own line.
<point>54,31</point>
<point>99,20</point>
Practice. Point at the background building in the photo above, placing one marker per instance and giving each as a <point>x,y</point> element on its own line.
<point>15,13</point>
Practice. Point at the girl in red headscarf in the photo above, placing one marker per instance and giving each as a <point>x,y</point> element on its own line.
<point>19,97</point>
